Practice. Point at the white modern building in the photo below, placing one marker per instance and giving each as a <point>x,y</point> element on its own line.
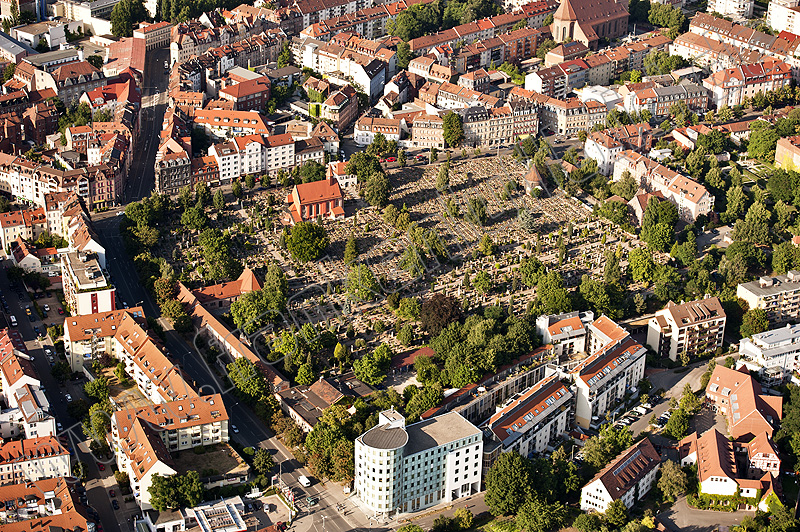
<point>400,469</point>
<point>773,354</point>
<point>629,477</point>
<point>605,377</point>
<point>86,289</point>
<point>783,15</point>
<point>736,9</point>
<point>226,515</point>
<point>565,332</point>
<point>778,296</point>
<point>531,421</point>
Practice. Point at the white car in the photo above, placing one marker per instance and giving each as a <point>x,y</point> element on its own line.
<point>68,397</point>
<point>47,308</point>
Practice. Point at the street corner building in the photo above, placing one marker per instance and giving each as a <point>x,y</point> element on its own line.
<point>404,469</point>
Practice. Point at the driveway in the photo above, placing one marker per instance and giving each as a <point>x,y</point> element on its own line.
<point>706,420</point>
<point>682,517</point>
<point>715,237</point>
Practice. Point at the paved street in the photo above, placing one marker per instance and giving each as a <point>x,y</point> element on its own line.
<point>681,517</point>
<point>252,431</point>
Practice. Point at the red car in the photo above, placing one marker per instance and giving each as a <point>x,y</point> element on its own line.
<point>112,493</point>
<point>60,310</point>
<point>382,160</point>
<point>101,467</point>
<point>391,159</point>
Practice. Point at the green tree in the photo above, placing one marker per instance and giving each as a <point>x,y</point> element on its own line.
<point>641,266</point>
<point>453,129</point>
<point>443,179</point>
<point>96,61</point>
<point>755,226</point>
<point>487,246</point>
<point>125,16</point>
<point>587,523</point>
<point>617,514</point>
<point>509,484</point>
<point>551,296</point>
<point>678,424</point>
<point>97,389</point>
<point>97,423</point>
<point>600,449</point>
<point>307,241</point>
<point>194,218</point>
<point>371,367</point>
<point>754,321</point>
<point>247,379</point>
<point>305,375</point>
<point>219,200</point>
<point>351,250</point>
<point>404,54</point>
<point>285,58</point>
<point>406,335</point>
<point>262,461</point>
<point>673,482</point>
<point>236,189</point>
<point>375,190</point>
<point>482,282</point>
<point>537,515</point>
<point>361,283</point>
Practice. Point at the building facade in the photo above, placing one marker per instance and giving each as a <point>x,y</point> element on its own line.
<point>694,328</point>
<point>629,477</point>
<point>403,468</point>
<point>86,289</point>
<point>777,296</point>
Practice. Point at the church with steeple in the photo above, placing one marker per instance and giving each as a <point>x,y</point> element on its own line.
<point>588,21</point>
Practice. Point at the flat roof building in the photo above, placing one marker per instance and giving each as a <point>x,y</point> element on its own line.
<point>400,469</point>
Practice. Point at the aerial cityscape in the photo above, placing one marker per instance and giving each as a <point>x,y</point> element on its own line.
<point>415,265</point>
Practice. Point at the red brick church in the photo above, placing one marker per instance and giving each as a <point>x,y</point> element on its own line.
<point>588,21</point>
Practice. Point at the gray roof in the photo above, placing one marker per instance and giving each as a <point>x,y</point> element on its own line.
<point>780,283</point>
<point>384,437</point>
<point>13,46</point>
<point>438,431</point>
<point>40,60</point>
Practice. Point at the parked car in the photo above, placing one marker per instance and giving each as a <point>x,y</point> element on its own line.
<point>46,307</point>
<point>115,504</point>
<point>235,429</point>
<point>100,466</point>
<point>391,159</point>
<point>60,310</point>
<point>112,493</point>
<point>68,397</point>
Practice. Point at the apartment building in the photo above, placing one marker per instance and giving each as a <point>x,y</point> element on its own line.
<point>34,459</point>
<point>427,131</point>
<point>183,424</point>
<point>406,468</point>
<point>658,100</point>
<point>731,86</point>
<point>605,146</point>
<point>367,127</point>
<point>784,15</point>
<point>225,124</point>
<point>748,412</point>
<point>218,334</point>
<point>487,127</point>
<point>628,477</point>
<point>690,197</point>
<point>558,80</point>
<point>736,9</point>
<point>778,296</point>
<point>567,117</point>
<point>48,505</point>
<point>774,354</point>
<point>249,95</point>
<point>605,377</point>
<point>26,224</point>
<point>90,336</point>
<point>531,421</point>
<point>694,328</point>
<point>567,333</point>
<point>86,289</point>
<point>341,107</point>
